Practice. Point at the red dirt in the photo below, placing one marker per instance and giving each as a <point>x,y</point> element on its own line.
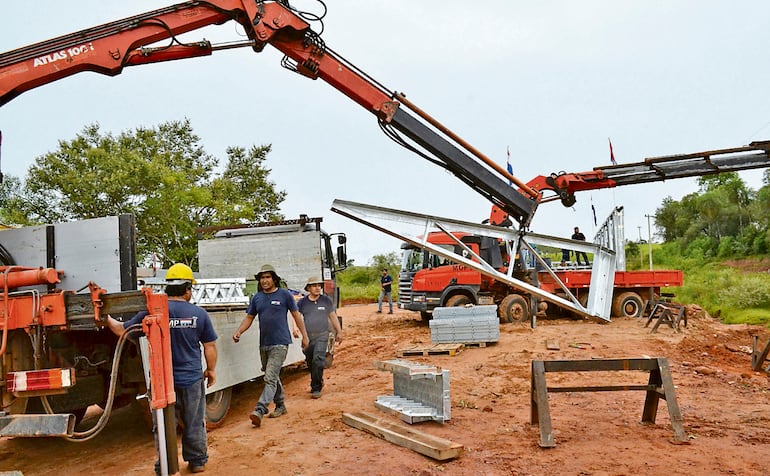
<point>750,265</point>
<point>724,404</point>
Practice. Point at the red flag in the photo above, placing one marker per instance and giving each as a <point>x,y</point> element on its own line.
<point>612,154</point>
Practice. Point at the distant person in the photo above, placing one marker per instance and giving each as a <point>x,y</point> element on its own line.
<point>386,282</point>
<point>320,318</point>
<point>270,305</point>
<point>578,254</point>
<point>190,326</point>
<point>565,255</point>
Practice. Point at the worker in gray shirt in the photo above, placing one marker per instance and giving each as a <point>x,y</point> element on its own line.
<point>320,318</point>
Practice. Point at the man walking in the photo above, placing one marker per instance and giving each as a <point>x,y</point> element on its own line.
<point>386,282</point>
<point>270,305</point>
<point>190,326</point>
<point>320,316</point>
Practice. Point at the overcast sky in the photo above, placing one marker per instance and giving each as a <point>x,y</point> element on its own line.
<point>551,80</point>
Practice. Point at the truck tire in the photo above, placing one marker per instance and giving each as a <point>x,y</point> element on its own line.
<point>513,308</point>
<point>628,304</point>
<point>458,300</point>
<point>217,406</point>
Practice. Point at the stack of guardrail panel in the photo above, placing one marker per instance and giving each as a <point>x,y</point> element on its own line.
<point>465,324</point>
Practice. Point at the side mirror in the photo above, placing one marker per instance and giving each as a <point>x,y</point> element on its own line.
<point>342,239</point>
<point>342,257</point>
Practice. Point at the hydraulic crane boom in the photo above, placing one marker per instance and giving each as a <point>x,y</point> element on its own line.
<point>655,169</point>
<point>108,48</point>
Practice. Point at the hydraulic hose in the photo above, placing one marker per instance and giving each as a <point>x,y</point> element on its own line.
<point>80,437</point>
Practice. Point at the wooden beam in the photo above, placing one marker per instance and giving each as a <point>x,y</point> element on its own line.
<point>434,447</point>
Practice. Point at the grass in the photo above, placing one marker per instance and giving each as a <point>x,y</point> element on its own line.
<point>361,284</point>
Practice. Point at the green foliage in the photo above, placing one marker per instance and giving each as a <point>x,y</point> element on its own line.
<point>12,199</point>
<point>362,283</point>
<point>390,260</point>
<point>737,296</point>
<point>744,291</point>
<point>719,217</point>
<point>162,175</point>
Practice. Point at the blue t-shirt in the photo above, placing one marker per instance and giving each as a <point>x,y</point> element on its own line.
<point>271,310</point>
<point>316,314</point>
<point>386,280</point>
<point>189,326</point>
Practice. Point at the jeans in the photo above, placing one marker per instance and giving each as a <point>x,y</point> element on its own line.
<point>579,254</point>
<point>272,360</point>
<point>191,411</point>
<point>390,300</point>
<point>315,356</point>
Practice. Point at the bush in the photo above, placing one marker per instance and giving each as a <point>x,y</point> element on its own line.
<point>745,291</point>
<point>362,283</point>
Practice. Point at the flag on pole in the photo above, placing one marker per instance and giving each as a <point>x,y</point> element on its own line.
<point>508,164</point>
<point>594,211</point>
<point>612,154</point>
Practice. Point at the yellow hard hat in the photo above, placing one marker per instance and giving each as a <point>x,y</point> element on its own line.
<point>180,272</point>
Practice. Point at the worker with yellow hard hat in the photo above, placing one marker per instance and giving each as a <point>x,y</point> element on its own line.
<point>190,326</point>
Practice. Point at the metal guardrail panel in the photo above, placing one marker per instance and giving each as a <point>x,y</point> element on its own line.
<point>421,225</point>
<point>420,392</point>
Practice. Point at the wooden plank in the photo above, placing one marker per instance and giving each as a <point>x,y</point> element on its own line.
<point>476,344</point>
<point>450,349</point>
<point>432,446</point>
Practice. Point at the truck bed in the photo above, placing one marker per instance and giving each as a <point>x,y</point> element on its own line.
<point>657,278</point>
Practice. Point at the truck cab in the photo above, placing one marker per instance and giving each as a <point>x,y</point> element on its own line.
<point>427,281</point>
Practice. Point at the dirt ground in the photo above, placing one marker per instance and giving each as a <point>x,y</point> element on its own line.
<point>724,404</point>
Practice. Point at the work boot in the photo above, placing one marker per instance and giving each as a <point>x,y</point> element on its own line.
<point>278,412</point>
<point>315,394</point>
<point>197,468</point>
<point>256,418</point>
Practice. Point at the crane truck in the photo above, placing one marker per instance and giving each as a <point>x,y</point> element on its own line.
<point>58,333</point>
<point>427,281</point>
<point>51,334</point>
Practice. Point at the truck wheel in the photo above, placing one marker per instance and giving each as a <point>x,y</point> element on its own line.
<point>627,305</point>
<point>513,308</point>
<point>458,300</point>
<point>217,406</point>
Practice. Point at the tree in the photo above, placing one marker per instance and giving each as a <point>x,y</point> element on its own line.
<point>241,195</point>
<point>390,260</point>
<point>162,175</point>
<point>12,198</point>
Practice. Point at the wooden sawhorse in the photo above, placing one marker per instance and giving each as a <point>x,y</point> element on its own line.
<point>668,313</point>
<point>759,356</point>
<point>660,385</point>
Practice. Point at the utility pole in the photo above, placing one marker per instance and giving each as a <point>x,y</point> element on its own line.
<point>649,239</point>
<point>641,262</point>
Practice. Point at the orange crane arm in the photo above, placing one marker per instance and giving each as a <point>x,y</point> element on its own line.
<point>654,169</point>
<point>108,48</point>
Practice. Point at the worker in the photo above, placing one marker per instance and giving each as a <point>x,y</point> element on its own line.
<point>577,235</point>
<point>386,282</point>
<point>190,326</point>
<point>320,317</point>
<point>270,305</point>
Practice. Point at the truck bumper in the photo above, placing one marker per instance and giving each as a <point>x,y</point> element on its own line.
<point>412,306</point>
<point>62,424</point>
